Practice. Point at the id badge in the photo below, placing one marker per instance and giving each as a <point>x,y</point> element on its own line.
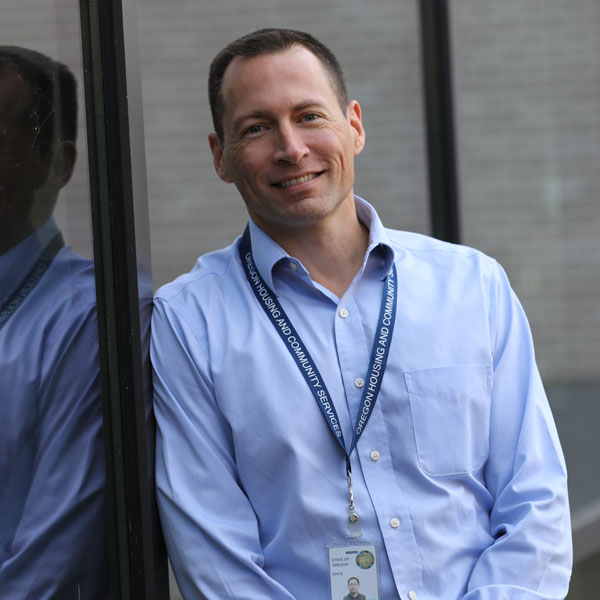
<point>354,571</point>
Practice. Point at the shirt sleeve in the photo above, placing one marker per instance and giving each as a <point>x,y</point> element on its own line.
<point>58,547</point>
<point>525,473</point>
<point>210,527</point>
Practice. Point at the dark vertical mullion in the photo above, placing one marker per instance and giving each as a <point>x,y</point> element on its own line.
<point>107,334</point>
<point>439,115</point>
<point>137,558</point>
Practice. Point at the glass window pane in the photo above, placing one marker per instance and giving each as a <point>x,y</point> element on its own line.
<point>52,499</point>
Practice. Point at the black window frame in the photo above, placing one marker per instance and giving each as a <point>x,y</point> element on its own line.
<point>137,558</point>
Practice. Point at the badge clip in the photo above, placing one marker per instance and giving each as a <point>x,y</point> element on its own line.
<point>353,518</point>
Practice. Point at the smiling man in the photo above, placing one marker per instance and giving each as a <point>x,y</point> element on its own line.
<point>288,143</point>
<point>328,390</point>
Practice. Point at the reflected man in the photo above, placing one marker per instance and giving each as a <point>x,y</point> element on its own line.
<point>325,378</point>
<point>52,507</point>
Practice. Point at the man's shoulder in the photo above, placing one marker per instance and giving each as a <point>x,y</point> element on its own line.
<point>66,291</point>
<point>424,249</point>
<point>411,241</point>
<point>213,267</point>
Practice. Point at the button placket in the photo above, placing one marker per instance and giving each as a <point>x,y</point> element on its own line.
<point>353,351</point>
<point>384,487</point>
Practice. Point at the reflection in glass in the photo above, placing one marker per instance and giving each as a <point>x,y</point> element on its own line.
<point>52,513</point>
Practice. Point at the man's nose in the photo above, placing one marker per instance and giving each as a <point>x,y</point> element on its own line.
<point>291,147</point>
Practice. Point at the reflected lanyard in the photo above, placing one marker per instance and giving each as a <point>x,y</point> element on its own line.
<point>32,278</point>
<point>307,366</point>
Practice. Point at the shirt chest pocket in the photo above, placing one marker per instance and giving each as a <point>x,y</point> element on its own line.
<point>450,409</point>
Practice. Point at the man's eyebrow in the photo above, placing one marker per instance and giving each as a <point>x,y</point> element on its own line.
<point>255,114</point>
<point>307,104</point>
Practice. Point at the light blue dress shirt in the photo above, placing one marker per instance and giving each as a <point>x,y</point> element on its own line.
<point>52,504</point>
<point>458,476</point>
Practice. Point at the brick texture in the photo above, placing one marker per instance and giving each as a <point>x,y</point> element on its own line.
<point>528,113</point>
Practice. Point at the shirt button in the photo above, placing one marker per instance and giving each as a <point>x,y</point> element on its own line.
<point>395,522</point>
<point>293,266</point>
<point>375,456</point>
<point>343,313</point>
<point>359,382</point>
<point>412,595</point>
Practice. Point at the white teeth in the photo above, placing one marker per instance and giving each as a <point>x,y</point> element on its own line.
<point>302,179</point>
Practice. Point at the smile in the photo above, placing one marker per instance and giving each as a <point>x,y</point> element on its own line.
<point>297,180</point>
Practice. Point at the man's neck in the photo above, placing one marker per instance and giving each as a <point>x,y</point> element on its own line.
<point>14,229</point>
<point>10,237</point>
<point>333,252</point>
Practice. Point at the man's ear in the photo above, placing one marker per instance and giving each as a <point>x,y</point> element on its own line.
<point>218,160</point>
<point>354,114</point>
<point>64,156</point>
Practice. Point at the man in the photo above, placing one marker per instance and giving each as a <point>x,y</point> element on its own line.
<point>325,383</point>
<point>52,512</point>
<point>353,587</point>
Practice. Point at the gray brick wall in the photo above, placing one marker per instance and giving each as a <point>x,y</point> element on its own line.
<point>528,112</point>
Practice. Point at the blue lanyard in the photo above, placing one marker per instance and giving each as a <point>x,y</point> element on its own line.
<point>307,366</point>
<point>32,278</point>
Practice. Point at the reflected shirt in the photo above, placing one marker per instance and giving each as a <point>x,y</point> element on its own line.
<point>458,476</point>
<point>52,508</point>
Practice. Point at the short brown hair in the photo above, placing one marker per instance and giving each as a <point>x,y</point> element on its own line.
<point>269,41</point>
<point>52,109</point>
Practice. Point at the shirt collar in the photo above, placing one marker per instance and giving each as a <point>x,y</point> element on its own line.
<point>378,237</point>
<point>267,253</point>
<point>19,260</point>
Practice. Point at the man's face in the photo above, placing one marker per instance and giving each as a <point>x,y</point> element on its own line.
<point>353,587</point>
<point>288,146</point>
<point>22,171</point>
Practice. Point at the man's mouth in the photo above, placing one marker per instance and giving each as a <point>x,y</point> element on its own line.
<point>290,182</point>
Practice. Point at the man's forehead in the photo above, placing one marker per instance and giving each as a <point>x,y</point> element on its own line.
<point>243,70</point>
<point>295,49</point>
<point>248,81</point>
<point>14,93</point>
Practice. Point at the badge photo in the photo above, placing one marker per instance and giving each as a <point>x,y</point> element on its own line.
<point>353,571</point>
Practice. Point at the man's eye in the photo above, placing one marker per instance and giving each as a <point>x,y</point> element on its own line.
<point>253,129</point>
<point>310,117</point>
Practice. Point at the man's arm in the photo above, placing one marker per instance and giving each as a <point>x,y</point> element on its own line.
<point>58,548</point>
<point>210,527</point>
<point>525,473</point>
